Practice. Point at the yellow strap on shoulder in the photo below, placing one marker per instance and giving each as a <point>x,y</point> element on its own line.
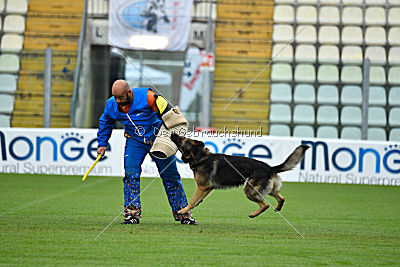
<point>161,104</point>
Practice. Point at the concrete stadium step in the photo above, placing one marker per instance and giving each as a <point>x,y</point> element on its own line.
<point>34,105</point>
<point>245,10</point>
<point>35,121</point>
<point>240,94</point>
<point>33,83</point>
<point>59,7</point>
<point>38,41</point>
<point>61,62</point>
<point>53,25</point>
<point>242,71</point>
<point>235,124</point>
<point>237,48</point>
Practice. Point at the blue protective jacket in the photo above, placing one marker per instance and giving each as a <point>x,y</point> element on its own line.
<point>146,120</point>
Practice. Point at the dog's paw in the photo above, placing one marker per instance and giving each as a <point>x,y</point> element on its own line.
<point>184,210</point>
<point>277,209</point>
<point>251,216</point>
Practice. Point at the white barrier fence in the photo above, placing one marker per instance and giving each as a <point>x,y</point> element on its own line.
<point>72,151</point>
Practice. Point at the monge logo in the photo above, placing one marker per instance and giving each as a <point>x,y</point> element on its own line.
<point>71,147</point>
<point>388,160</point>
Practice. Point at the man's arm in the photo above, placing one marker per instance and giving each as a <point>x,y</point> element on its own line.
<point>158,103</point>
<point>106,125</point>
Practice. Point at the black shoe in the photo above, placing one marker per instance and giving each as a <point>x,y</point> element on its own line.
<point>131,220</point>
<point>189,220</point>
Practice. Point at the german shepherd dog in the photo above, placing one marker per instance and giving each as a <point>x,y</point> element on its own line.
<point>219,171</point>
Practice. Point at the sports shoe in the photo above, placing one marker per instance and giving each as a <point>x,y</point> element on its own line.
<point>130,220</point>
<point>189,220</point>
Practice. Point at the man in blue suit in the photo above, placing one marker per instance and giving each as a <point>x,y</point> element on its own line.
<point>140,111</point>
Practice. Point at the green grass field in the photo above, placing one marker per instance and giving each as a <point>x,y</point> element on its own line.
<point>53,220</point>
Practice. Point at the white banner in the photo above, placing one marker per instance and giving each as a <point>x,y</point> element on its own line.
<point>151,24</point>
<point>72,151</point>
<point>192,78</point>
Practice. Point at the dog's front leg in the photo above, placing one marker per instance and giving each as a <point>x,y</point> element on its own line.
<point>200,193</point>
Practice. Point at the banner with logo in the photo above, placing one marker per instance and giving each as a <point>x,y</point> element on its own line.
<point>72,151</point>
<point>192,78</point>
<point>150,24</point>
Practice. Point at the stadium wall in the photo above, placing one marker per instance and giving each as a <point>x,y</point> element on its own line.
<point>72,151</point>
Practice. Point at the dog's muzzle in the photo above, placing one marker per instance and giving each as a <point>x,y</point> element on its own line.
<point>163,146</point>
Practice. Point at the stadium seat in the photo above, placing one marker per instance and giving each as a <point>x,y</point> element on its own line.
<point>279,130</point>
<point>14,24</point>
<point>375,36</point>
<point>6,104</point>
<point>377,96</point>
<point>350,115</point>
<point>8,84</point>
<point>352,2</point>
<point>376,55</point>
<point>303,131</point>
<point>303,114</point>
<point>351,95</point>
<point>328,54</point>
<point>329,15</point>
<point>11,43</point>
<point>304,73</point>
<point>353,133</point>
<point>328,94</point>
<point>282,33</point>
<point>394,2</point>
<point>280,113</point>
<point>377,75</point>
<point>394,76</point>
<point>282,53</point>
<point>394,36</point>
<point>281,72</point>
<point>305,54</point>
<point>394,117</point>
<point>376,116</point>
<point>304,93</point>
<point>377,134</point>
<point>306,34</point>
<point>352,55</point>
<point>327,132</point>
<point>307,2</point>
<point>9,63</point>
<point>4,121</point>
<point>375,2</point>
<point>283,14</point>
<point>394,16</point>
<point>328,74</point>
<point>327,115</point>
<point>329,2</point>
<point>351,75</point>
<point>352,15</point>
<point>281,92</point>
<point>17,7</point>
<point>394,134</point>
<point>306,14</point>
<point>394,55</point>
<point>375,16</point>
<point>290,2</point>
<point>352,35</point>
<point>394,96</point>
<point>328,35</point>
<point>1,6</point>
<point>1,24</point>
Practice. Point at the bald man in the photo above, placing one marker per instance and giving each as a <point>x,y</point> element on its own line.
<point>140,111</point>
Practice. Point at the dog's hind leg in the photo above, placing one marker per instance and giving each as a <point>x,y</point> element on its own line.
<point>254,195</point>
<point>277,184</point>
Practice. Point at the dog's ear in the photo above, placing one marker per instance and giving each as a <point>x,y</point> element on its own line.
<point>199,143</point>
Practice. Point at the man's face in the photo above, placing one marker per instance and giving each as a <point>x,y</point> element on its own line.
<point>124,99</point>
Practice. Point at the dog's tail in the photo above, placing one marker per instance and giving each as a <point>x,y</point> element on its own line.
<point>292,160</point>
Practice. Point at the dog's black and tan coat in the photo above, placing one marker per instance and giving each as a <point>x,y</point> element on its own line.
<point>218,171</point>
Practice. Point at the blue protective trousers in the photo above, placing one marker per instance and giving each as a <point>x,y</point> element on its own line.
<point>135,153</point>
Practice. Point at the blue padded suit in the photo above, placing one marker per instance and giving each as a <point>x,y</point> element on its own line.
<point>137,147</point>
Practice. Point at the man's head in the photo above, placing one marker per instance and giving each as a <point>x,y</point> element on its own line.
<point>121,92</point>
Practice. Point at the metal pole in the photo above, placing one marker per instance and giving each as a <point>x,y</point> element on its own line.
<point>365,85</point>
<point>205,107</point>
<point>47,87</point>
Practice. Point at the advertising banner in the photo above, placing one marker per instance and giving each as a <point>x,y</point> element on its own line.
<point>72,151</point>
<point>150,24</point>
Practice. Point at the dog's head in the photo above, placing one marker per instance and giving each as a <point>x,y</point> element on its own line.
<point>191,149</point>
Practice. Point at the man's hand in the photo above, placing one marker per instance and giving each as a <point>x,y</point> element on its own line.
<point>101,150</point>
